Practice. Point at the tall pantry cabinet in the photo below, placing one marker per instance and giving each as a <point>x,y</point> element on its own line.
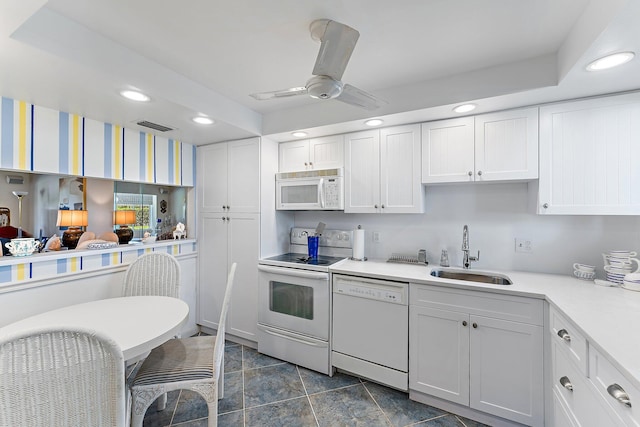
<point>229,231</point>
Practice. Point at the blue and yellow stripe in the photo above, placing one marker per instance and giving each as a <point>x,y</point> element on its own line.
<point>16,129</point>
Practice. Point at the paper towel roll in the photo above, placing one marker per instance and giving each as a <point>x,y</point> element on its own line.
<point>358,244</point>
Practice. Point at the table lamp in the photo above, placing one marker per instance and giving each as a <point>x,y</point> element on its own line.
<point>20,195</point>
<point>74,220</point>
<point>123,219</point>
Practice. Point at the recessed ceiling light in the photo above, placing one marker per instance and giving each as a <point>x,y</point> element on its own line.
<point>373,122</point>
<point>299,134</point>
<point>201,120</point>
<point>610,61</point>
<point>464,108</point>
<point>135,95</point>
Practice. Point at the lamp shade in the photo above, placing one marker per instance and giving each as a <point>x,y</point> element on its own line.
<point>124,217</point>
<point>68,218</point>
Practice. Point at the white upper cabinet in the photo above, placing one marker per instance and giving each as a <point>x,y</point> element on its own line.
<point>188,164</point>
<point>139,156</point>
<point>588,151</point>
<point>57,142</point>
<point>506,145</point>
<point>168,153</point>
<point>103,144</point>
<point>448,150</point>
<point>499,146</point>
<point>382,171</point>
<point>15,134</point>
<point>230,177</point>
<point>326,152</point>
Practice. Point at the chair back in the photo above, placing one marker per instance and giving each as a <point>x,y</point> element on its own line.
<point>61,377</point>
<point>218,353</point>
<point>153,273</point>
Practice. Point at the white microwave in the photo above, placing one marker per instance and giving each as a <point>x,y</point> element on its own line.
<point>310,190</point>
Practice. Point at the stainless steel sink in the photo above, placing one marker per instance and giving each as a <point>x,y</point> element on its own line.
<point>472,276</point>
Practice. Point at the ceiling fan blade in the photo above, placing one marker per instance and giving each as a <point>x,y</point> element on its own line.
<point>338,41</point>
<point>279,93</point>
<point>354,96</point>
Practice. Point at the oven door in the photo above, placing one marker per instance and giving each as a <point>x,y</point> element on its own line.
<point>294,300</point>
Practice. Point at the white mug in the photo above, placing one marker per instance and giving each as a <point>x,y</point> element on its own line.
<point>622,254</point>
<point>584,267</point>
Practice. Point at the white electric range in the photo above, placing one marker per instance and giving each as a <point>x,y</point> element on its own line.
<point>294,300</point>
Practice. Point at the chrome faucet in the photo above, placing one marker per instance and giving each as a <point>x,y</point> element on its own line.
<point>466,259</point>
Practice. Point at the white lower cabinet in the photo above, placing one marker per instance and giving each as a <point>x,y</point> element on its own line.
<point>580,392</point>
<point>477,349</point>
<point>229,238</point>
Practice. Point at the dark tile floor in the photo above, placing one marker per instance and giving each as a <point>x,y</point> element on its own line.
<point>263,391</point>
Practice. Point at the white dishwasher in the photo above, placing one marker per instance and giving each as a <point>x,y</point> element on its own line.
<point>371,329</point>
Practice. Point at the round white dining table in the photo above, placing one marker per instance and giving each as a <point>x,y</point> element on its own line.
<point>137,324</point>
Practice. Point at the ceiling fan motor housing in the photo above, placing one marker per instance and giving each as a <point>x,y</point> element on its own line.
<point>323,87</point>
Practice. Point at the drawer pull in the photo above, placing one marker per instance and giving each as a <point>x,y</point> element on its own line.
<point>619,394</point>
<point>566,383</point>
<point>562,333</point>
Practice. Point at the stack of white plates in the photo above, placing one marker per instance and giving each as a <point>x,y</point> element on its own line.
<point>632,282</point>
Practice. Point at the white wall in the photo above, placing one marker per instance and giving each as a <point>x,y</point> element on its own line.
<point>496,214</point>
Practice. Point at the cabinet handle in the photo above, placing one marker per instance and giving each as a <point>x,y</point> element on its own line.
<point>470,173</point>
<point>228,207</point>
<point>224,219</point>
<point>619,394</point>
<point>479,173</point>
<point>475,325</point>
<point>375,206</point>
<point>546,205</point>
<point>383,206</point>
<point>311,164</point>
<point>464,323</point>
<point>562,333</point>
<point>228,219</point>
<point>224,207</point>
<point>566,383</point>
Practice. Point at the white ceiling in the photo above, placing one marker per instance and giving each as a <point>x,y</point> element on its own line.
<point>206,57</point>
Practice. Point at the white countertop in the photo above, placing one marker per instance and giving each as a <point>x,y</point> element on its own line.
<point>609,317</point>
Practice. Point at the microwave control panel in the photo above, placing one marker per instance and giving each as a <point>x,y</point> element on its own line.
<point>332,193</point>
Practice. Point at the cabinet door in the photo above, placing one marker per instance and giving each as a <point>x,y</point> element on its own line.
<point>212,267</point>
<point>447,151</point>
<point>400,185</point>
<point>103,152</point>
<point>293,156</point>
<point>212,178</point>
<point>562,416</point>
<point>57,142</point>
<point>326,152</point>
<point>506,145</point>
<point>439,353</point>
<point>244,246</point>
<point>139,156</point>
<point>506,369</point>
<point>588,151</point>
<point>362,172</point>
<point>243,170</point>
<point>15,134</point>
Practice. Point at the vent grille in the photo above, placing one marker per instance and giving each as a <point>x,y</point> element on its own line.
<point>155,126</point>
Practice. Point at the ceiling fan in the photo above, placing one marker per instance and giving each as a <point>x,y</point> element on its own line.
<point>337,44</point>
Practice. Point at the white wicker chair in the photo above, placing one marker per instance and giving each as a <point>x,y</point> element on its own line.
<point>194,363</point>
<point>153,273</point>
<point>61,377</point>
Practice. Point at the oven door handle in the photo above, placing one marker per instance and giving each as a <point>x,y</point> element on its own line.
<point>287,337</point>
<point>294,272</point>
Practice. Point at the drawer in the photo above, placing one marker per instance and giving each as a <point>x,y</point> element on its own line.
<point>614,388</point>
<point>575,391</point>
<point>487,304</point>
<point>565,333</point>
<point>562,416</point>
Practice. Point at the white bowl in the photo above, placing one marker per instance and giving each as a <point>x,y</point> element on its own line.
<point>632,286</point>
<point>632,277</point>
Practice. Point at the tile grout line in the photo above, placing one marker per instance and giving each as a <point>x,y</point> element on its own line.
<point>306,393</point>
<point>376,402</point>
<point>244,409</point>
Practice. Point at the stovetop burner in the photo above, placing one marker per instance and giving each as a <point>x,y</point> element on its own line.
<point>303,259</point>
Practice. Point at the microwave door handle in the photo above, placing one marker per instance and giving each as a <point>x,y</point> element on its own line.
<point>321,192</point>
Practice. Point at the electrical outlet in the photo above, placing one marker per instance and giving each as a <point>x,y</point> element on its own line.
<point>524,245</point>
<point>376,237</point>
